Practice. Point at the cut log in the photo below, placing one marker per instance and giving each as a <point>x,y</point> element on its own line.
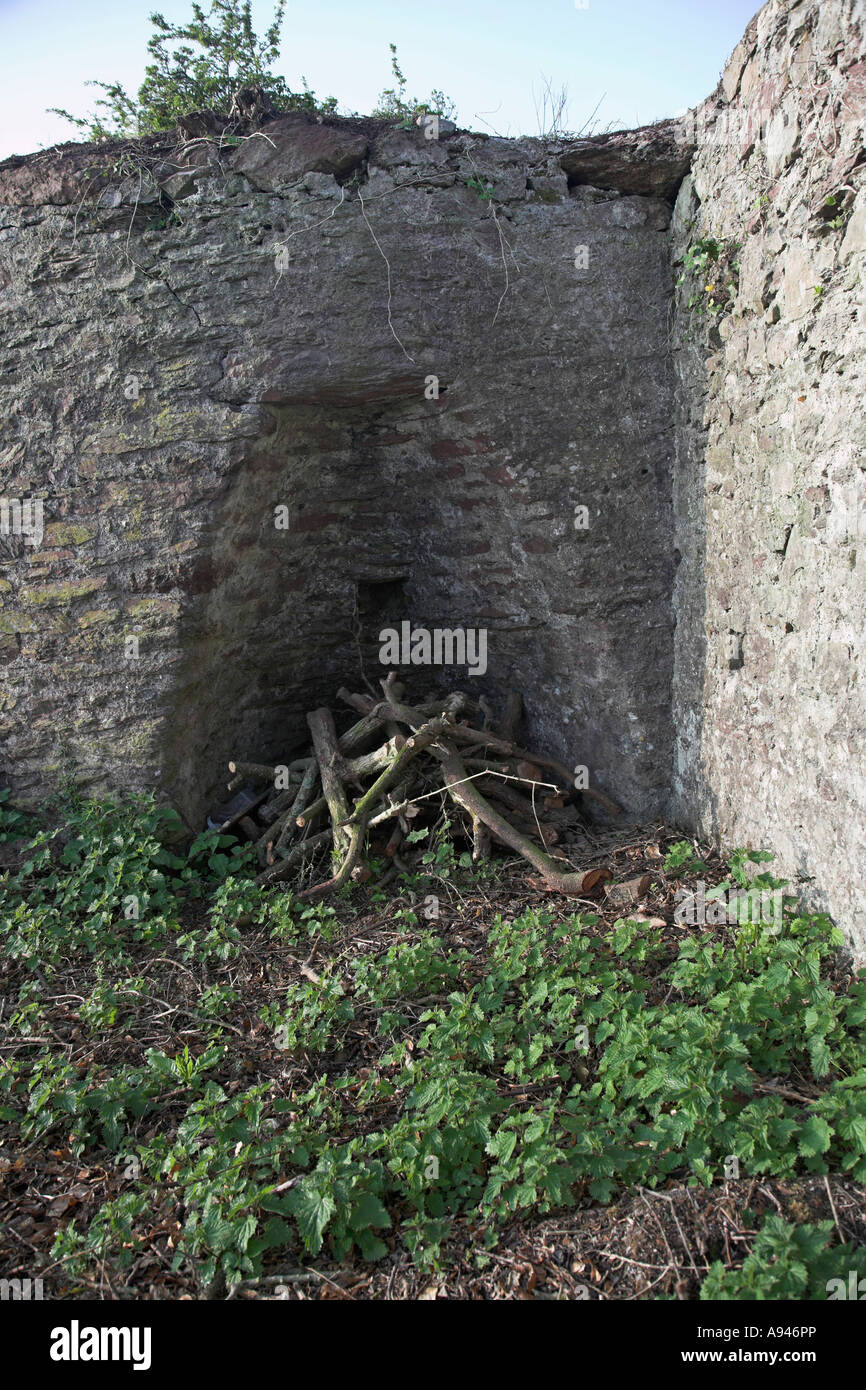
<point>355,769</point>
<point>300,765</point>
<point>362,703</point>
<point>466,794</point>
<point>507,793</point>
<point>302,796</point>
<point>311,814</point>
<point>249,828</point>
<point>424,737</point>
<point>353,741</point>
<point>480,840</point>
<point>398,804</point>
<point>288,822</point>
<point>395,690</point>
<point>283,867</point>
<point>479,739</point>
<point>266,843</point>
<point>631,891</point>
<point>374,722</point>
<point>516,797</point>
<point>538,819</point>
<point>272,811</point>
<point>324,733</point>
<point>528,772</point>
<point>261,772</point>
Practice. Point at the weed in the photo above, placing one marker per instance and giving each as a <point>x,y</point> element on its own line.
<point>557,1062</point>
<point>482,187</point>
<point>681,859</point>
<point>14,825</point>
<point>790,1262</point>
<point>710,275</point>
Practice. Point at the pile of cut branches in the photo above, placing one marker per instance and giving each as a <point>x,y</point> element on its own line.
<point>395,764</point>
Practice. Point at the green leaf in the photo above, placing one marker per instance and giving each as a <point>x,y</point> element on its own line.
<point>819,1054</point>
<point>815,1136</point>
<point>219,1233</point>
<point>602,1189</point>
<point>275,1234</point>
<point>369,1211</point>
<point>370,1246</point>
<point>312,1211</point>
<point>853,1128</point>
<point>502,1144</point>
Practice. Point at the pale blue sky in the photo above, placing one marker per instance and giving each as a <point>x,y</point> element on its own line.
<point>652,58</point>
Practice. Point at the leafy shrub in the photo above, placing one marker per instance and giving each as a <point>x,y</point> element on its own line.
<point>681,859</point>
<point>197,66</point>
<point>787,1262</point>
<point>560,1062</point>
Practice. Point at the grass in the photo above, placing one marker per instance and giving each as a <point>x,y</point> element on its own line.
<point>250,1087</point>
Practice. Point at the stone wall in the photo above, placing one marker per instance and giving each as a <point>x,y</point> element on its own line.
<point>770,498</point>
<point>432,354</point>
<point>198,335</point>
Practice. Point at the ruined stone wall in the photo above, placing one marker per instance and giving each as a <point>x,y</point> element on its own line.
<point>770,502</point>
<point>195,336</point>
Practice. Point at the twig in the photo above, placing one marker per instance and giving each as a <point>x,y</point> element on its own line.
<point>833,1208</point>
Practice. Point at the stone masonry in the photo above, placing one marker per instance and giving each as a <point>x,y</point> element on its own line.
<point>770,493</point>
<point>324,380</point>
<point>276,392</point>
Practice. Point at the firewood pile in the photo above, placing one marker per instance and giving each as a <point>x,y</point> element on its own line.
<point>361,793</point>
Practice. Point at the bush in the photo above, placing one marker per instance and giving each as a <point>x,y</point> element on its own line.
<point>792,1262</point>
<point>197,66</point>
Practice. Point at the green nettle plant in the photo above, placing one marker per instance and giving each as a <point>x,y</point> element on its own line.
<point>197,66</point>
<point>681,859</point>
<point>563,1061</point>
<point>790,1262</point>
<point>480,186</point>
<point>14,825</point>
